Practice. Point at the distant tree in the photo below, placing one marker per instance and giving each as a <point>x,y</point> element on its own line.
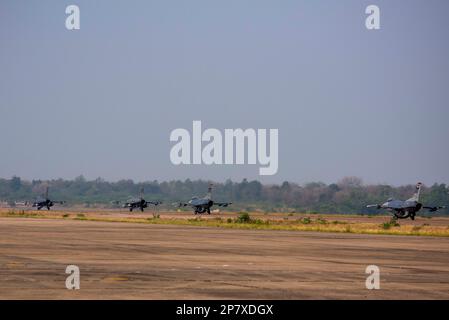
<point>349,195</point>
<point>350,182</point>
<point>15,183</point>
<point>334,187</point>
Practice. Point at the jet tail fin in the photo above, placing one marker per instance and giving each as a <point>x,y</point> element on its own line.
<point>209,192</point>
<point>417,193</point>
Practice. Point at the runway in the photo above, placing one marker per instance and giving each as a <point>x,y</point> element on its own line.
<point>144,261</point>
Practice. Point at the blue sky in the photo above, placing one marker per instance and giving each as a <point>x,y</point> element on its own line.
<point>101,101</point>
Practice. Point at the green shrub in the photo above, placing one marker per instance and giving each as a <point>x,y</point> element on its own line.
<point>321,220</point>
<point>243,218</point>
<point>306,220</point>
<point>259,221</point>
<point>386,225</point>
<point>392,223</point>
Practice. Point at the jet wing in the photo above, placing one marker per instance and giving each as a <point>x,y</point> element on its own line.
<point>181,204</point>
<point>222,204</point>
<point>156,203</point>
<point>433,209</point>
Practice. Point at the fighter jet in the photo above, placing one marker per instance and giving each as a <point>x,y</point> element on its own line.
<point>139,203</point>
<point>202,205</point>
<point>405,209</point>
<point>41,202</point>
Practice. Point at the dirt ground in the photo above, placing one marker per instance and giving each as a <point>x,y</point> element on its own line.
<point>145,261</point>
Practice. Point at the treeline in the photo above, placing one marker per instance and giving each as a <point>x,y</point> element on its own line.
<point>348,195</point>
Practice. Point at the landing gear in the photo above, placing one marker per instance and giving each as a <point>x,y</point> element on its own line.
<point>200,210</point>
<point>48,208</point>
<point>130,209</point>
<point>208,210</point>
<point>141,209</point>
<point>401,214</point>
<point>412,216</point>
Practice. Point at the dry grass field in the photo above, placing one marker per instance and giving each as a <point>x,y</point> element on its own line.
<point>422,226</point>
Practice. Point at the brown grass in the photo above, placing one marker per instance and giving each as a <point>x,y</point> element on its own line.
<point>309,223</point>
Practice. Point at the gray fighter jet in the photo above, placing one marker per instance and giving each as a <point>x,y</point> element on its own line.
<point>42,202</point>
<point>202,205</point>
<point>405,209</point>
<point>139,203</point>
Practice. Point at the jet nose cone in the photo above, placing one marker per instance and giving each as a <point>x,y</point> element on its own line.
<point>385,204</point>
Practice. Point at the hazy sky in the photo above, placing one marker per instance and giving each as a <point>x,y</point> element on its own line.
<point>102,100</point>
